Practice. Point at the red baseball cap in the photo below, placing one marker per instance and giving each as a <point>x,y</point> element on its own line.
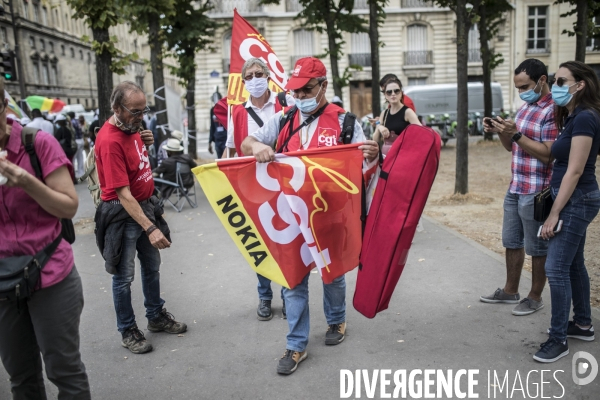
<point>305,69</point>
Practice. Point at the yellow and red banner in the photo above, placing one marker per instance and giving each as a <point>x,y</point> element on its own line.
<point>291,215</point>
<point>247,42</point>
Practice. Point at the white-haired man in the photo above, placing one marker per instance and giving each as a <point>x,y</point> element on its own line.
<point>246,119</point>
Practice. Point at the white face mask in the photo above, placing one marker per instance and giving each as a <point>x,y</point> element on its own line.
<point>257,86</point>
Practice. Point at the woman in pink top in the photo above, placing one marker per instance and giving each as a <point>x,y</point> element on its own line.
<point>47,323</point>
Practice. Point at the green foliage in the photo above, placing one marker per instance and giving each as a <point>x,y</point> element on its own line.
<point>102,15</point>
<point>141,12</point>
<point>188,30</point>
<point>592,10</point>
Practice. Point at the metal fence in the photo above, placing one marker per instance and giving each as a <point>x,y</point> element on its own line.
<point>243,6</point>
<point>362,59</point>
<point>416,3</point>
<point>418,57</point>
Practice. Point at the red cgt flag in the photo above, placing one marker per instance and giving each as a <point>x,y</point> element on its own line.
<point>247,42</point>
<point>288,216</point>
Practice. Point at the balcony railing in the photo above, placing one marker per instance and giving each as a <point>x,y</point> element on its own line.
<point>293,6</point>
<point>361,4</point>
<point>416,3</point>
<point>226,62</point>
<point>362,59</point>
<point>422,57</point>
<point>538,46</point>
<point>474,55</point>
<point>243,6</point>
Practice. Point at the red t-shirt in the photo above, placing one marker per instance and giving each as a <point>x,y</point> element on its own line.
<point>122,160</point>
<point>409,103</point>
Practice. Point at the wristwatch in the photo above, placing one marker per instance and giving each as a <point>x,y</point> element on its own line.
<point>516,137</point>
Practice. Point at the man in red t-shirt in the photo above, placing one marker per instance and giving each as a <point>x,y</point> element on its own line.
<point>128,205</point>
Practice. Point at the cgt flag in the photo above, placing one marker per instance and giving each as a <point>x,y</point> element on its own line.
<point>247,42</point>
<point>288,216</point>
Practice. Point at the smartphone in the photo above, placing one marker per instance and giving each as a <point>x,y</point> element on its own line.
<point>556,230</point>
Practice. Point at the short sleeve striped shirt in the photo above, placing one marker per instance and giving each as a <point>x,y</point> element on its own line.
<point>536,121</point>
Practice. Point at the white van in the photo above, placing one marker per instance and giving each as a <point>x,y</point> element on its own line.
<point>442,99</point>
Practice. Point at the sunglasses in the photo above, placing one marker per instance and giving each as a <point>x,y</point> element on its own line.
<point>250,76</point>
<point>136,113</point>
<point>307,90</point>
<point>559,82</point>
<point>395,91</point>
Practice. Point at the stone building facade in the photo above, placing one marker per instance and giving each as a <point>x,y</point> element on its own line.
<point>419,46</point>
<point>57,63</point>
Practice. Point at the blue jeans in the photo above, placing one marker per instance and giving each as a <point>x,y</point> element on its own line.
<point>135,239</point>
<point>519,229</point>
<point>298,316</point>
<point>264,288</point>
<point>565,267</point>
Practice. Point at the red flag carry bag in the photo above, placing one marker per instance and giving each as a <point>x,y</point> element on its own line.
<point>405,180</point>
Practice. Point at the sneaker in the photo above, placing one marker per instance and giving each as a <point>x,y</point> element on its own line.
<point>283,311</point>
<point>165,322</point>
<point>134,340</point>
<point>499,296</point>
<point>528,306</point>
<point>290,360</point>
<point>335,334</point>
<point>551,351</point>
<point>263,312</point>
<point>575,332</point>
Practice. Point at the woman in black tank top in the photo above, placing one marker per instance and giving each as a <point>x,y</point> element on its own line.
<point>397,117</point>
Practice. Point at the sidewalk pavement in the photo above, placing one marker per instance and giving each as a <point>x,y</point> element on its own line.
<point>435,321</point>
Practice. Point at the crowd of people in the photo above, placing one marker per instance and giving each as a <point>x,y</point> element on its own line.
<point>554,140</point>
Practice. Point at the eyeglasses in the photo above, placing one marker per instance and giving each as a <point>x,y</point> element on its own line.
<point>250,76</point>
<point>559,81</point>
<point>395,91</point>
<point>145,111</point>
<point>307,90</point>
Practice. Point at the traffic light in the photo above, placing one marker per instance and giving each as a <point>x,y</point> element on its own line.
<point>7,66</point>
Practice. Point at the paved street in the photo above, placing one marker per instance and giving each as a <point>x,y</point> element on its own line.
<point>435,321</point>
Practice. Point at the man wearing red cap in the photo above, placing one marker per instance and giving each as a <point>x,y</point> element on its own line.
<point>317,124</point>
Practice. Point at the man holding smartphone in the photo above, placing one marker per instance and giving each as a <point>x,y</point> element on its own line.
<point>529,138</point>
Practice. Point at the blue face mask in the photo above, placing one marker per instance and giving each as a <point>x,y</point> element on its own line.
<point>308,105</point>
<point>530,96</point>
<point>561,95</point>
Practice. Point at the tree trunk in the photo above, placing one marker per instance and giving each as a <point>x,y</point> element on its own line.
<point>104,76</point>
<point>333,51</point>
<point>486,59</point>
<point>581,30</point>
<point>374,36</point>
<point>191,117</point>
<point>158,78</point>
<point>463,23</point>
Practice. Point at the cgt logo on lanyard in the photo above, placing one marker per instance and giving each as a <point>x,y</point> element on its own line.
<point>327,137</point>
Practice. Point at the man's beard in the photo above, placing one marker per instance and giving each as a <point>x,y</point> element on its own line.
<point>130,128</point>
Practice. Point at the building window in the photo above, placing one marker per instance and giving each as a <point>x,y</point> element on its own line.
<point>537,30</point>
<point>303,45</point>
<point>360,45</point>
<point>45,16</point>
<point>45,74</point>
<point>42,45</point>
<point>72,52</point>
<point>25,9</point>
<point>593,42</point>
<point>67,27</point>
<point>56,17</point>
<point>4,35</point>
<point>62,49</point>
<point>89,57</point>
<point>418,53</point>
<point>80,54</point>
<point>53,76</point>
<point>36,12</point>
<point>51,47</point>
<point>36,72</point>
<point>417,81</point>
<point>86,103</point>
<point>32,42</point>
<point>140,81</point>
<point>226,52</point>
<point>474,46</point>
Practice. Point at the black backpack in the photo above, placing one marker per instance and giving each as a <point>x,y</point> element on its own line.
<point>28,139</point>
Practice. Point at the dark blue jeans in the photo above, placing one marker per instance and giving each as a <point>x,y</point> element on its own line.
<point>565,267</point>
<point>264,288</point>
<point>135,240</point>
